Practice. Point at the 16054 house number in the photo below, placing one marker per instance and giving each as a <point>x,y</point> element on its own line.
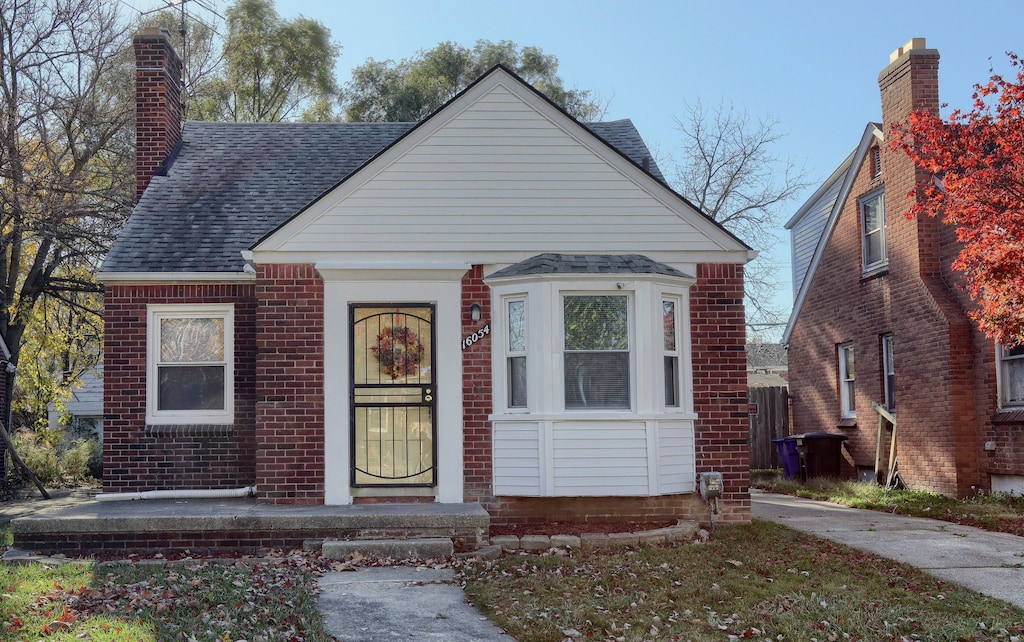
<point>476,336</point>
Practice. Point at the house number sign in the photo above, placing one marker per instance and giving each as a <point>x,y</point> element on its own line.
<point>476,336</point>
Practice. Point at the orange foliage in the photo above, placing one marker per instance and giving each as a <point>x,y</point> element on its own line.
<point>976,160</point>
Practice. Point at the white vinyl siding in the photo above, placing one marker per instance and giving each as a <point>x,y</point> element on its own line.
<point>805,235</point>
<point>499,176</point>
<point>593,458</point>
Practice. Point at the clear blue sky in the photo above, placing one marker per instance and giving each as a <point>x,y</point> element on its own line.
<point>812,64</point>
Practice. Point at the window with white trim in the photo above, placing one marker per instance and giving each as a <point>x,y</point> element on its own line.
<point>1011,375</point>
<point>872,210</point>
<point>847,405</point>
<point>670,327</point>
<point>596,351</point>
<point>515,356</point>
<point>190,357</point>
<point>888,372</point>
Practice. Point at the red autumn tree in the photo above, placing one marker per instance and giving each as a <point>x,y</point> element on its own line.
<point>976,160</point>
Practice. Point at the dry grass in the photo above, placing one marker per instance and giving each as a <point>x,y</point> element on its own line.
<point>999,512</point>
<point>759,582</point>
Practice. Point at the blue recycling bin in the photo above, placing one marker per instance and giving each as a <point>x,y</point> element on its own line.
<point>790,456</point>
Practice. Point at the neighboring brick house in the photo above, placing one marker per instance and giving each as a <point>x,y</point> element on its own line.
<point>880,318</point>
<point>497,304</point>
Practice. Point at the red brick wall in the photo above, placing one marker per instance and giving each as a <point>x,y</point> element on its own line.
<point>476,391</point>
<point>718,331</point>
<point>157,104</point>
<point>290,384</point>
<point>137,458</point>
<point>935,346</point>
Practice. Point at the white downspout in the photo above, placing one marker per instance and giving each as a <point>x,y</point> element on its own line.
<point>209,493</point>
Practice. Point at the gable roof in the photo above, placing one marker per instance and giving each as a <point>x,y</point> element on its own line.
<point>871,132</point>
<point>233,183</point>
<point>232,186</point>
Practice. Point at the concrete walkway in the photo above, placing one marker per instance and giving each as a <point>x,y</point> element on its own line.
<point>990,563</point>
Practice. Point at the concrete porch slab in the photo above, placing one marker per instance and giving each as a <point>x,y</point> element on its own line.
<point>237,524</point>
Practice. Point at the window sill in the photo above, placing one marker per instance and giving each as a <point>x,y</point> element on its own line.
<point>1011,415</point>
<point>847,422</point>
<point>875,272</point>
<point>189,430</point>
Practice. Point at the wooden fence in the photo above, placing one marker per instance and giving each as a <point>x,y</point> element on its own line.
<point>769,419</point>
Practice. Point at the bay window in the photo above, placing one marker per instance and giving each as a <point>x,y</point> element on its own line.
<point>596,351</point>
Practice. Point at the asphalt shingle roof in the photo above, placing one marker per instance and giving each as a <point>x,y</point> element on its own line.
<point>233,183</point>
<point>587,264</point>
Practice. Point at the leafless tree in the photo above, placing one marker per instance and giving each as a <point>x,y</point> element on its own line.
<point>728,168</point>
<point>66,177</point>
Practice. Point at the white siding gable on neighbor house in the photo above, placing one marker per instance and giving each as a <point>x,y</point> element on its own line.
<point>816,219</point>
<point>808,224</point>
<point>498,175</point>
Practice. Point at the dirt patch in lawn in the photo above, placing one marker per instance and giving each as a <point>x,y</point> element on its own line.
<point>576,528</point>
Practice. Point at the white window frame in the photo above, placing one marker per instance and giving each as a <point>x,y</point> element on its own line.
<point>847,381</point>
<point>510,353</point>
<point>154,314</point>
<point>630,348</point>
<point>676,354</point>
<point>1003,378</point>
<point>865,234</point>
<point>888,372</point>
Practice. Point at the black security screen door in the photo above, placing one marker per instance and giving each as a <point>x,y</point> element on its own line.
<point>393,398</point>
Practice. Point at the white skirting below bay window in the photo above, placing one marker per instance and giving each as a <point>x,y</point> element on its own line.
<point>593,457</point>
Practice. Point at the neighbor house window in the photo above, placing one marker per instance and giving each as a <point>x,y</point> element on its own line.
<point>889,372</point>
<point>670,327</point>
<point>872,208</point>
<point>596,351</point>
<point>516,353</point>
<point>1011,375</point>
<point>847,407</point>
<point>190,357</point>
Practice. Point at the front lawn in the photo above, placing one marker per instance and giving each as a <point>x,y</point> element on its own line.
<point>240,600</point>
<point>757,582</point>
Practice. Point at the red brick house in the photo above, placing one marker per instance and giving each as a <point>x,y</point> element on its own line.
<point>880,318</point>
<point>498,304</point>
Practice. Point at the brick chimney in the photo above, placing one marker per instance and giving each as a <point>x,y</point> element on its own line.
<point>910,82</point>
<point>157,104</point>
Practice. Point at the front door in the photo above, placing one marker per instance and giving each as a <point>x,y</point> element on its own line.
<point>393,398</point>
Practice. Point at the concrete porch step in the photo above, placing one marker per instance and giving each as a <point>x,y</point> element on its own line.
<point>415,548</point>
<point>244,525</point>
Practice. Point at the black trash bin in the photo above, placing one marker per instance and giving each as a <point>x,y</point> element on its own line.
<point>790,456</point>
<point>821,453</point>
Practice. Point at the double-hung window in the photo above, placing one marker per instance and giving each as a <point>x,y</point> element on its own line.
<point>847,405</point>
<point>872,210</point>
<point>596,351</point>
<point>190,364</point>
<point>889,372</point>
<point>1011,375</point>
<point>670,328</point>
<point>515,355</point>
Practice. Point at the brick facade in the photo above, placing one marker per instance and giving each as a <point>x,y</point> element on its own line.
<point>290,384</point>
<point>137,457</point>
<point>945,379</point>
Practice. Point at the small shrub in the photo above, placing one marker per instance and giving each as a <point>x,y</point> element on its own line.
<point>73,465</point>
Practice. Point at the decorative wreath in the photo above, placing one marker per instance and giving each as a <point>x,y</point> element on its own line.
<point>397,351</point>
